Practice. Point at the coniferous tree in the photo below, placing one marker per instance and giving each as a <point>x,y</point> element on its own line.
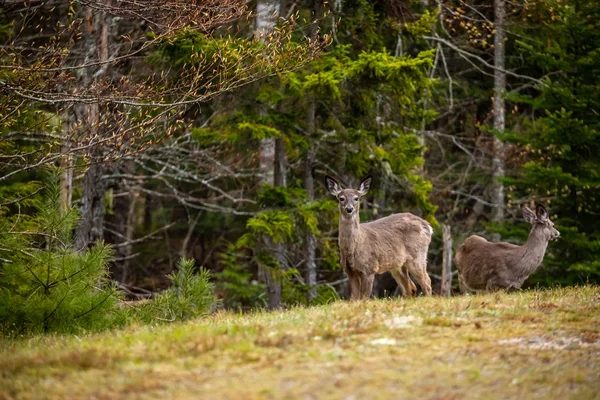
<point>560,134</point>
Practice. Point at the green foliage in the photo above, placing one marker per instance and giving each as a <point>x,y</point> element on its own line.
<point>45,284</point>
<point>562,141</point>
<point>278,225</point>
<point>190,295</point>
<point>236,284</point>
<point>227,59</point>
<point>368,104</point>
<point>258,131</point>
<point>421,26</point>
<point>295,293</point>
<point>362,21</point>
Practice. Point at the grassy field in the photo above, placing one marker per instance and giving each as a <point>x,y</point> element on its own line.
<point>533,344</point>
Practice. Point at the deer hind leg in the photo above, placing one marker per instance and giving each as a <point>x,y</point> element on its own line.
<point>464,289</point>
<point>419,271</point>
<point>402,278</point>
<point>366,285</point>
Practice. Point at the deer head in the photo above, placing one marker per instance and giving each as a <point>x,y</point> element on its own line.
<point>348,199</point>
<point>540,221</point>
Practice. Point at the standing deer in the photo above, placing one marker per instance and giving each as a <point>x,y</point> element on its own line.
<point>487,266</point>
<point>397,243</point>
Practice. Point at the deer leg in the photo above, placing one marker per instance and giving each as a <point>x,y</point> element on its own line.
<point>493,286</point>
<point>366,286</point>
<point>464,289</point>
<point>355,286</point>
<point>411,285</point>
<point>407,287</point>
<point>419,271</point>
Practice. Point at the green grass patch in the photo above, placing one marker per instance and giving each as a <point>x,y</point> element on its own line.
<point>534,343</point>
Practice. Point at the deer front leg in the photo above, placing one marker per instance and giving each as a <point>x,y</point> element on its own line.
<point>366,285</point>
<point>354,283</point>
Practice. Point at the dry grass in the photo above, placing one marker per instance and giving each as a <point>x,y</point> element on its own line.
<point>542,344</point>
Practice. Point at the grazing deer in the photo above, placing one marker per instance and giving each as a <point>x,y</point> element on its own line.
<point>487,266</point>
<point>397,243</point>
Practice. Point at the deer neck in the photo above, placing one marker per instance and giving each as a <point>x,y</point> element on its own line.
<point>350,233</point>
<point>533,250</point>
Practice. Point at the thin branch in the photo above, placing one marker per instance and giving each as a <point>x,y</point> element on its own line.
<point>144,238</point>
<point>482,61</point>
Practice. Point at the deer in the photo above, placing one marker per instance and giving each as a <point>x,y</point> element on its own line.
<point>490,266</point>
<point>397,243</point>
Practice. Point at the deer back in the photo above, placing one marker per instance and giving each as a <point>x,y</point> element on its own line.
<point>386,243</point>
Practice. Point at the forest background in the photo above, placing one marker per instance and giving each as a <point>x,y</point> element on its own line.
<point>203,130</point>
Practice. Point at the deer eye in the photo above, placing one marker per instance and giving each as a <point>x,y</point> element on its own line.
<point>355,198</point>
<point>342,198</point>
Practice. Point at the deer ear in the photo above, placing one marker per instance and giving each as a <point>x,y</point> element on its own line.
<point>541,212</point>
<point>365,185</point>
<point>332,185</point>
<point>528,214</point>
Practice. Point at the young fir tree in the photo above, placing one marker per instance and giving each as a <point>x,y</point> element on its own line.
<point>46,285</point>
<point>190,295</point>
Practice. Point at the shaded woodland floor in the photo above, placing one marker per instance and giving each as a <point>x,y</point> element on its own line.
<point>542,344</point>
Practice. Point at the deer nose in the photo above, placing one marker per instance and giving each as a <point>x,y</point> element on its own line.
<point>349,209</point>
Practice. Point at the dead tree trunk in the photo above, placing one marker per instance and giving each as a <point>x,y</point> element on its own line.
<point>499,88</point>
<point>447,261</point>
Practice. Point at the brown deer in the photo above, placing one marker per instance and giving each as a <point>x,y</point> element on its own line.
<point>486,266</point>
<point>397,243</point>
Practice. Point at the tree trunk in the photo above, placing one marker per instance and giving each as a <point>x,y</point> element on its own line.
<point>447,261</point>
<point>188,236</point>
<point>124,207</point>
<point>271,161</point>
<point>95,33</point>
<point>66,165</point>
<point>91,221</point>
<point>279,170</point>
<point>311,240</point>
<point>279,248</point>
<point>309,184</point>
<point>499,88</point>
<point>267,12</point>
<point>267,160</point>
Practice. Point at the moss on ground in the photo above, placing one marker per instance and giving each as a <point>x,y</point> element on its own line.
<point>543,343</point>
